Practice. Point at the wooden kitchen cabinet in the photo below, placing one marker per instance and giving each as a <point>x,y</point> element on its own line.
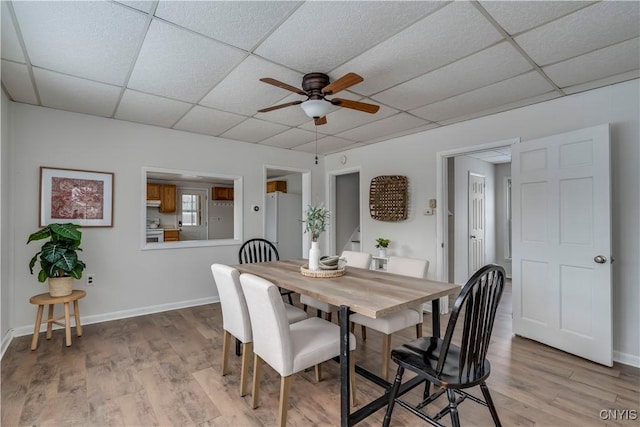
<point>167,198</point>
<point>153,191</point>
<point>171,235</point>
<point>273,186</point>
<point>222,193</point>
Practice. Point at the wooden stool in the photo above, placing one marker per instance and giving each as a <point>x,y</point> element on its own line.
<point>43,299</point>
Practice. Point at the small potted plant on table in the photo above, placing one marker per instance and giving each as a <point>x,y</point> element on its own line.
<point>58,257</point>
<point>382,244</point>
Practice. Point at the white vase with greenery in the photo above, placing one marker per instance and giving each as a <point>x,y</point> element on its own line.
<point>316,220</point>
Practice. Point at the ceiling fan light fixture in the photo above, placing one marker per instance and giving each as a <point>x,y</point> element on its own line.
<point>315,108</point>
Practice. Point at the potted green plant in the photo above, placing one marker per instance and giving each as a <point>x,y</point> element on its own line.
<point>58,257</point>
<point>315,223</point>
<point>382,244</point>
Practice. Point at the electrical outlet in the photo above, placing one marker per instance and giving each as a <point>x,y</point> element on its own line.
<point>91,278</point>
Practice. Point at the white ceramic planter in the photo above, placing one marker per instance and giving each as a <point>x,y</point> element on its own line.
<point>314,256</point>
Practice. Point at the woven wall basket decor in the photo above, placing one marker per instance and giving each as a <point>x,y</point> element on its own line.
<point>388,196</point>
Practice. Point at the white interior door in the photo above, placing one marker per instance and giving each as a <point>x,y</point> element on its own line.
<point>562,242</point>
<point>476,222</point>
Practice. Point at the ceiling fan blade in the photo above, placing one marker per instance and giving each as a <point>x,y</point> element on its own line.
<point>277,107</point>
<point>342,83</point>
<point>356,105</point>
<point>321,120</point>
<point>282,85</point>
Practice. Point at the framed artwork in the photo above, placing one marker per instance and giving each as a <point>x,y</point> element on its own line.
<point>77,196</point>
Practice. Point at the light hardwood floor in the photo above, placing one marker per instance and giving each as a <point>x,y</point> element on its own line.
<point>164,369</point>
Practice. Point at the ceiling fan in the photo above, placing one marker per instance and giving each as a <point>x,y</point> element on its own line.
<point>316,86</point>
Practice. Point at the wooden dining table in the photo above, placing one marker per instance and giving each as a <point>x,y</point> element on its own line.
<point>372,293</point>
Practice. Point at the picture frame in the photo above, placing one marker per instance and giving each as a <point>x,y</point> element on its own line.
<point>77,196</point>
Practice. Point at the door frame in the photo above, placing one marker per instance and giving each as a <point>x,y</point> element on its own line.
<point>306,197</point>
<point>331,197</point>
<point>442,208</point>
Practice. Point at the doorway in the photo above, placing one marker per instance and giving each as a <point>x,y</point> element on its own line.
<point>345,207</point>
<point>458,170</point>
<point>283,209</point>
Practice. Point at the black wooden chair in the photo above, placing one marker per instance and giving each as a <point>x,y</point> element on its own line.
<point>261,250</point>
<point>450,367</point>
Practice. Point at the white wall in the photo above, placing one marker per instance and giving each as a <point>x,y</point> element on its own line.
<point>503,170</point>
<point>415,157</point>
<point>128,280</point>
<point>5,236</point>
<point>463,167</point>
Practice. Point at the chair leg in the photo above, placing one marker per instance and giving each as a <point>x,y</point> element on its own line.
<point>453,408</point>
<point>427,390</point>
<point>419,330</point>
<point>352,378</point>
<point>226,342</point>
<point>363,332</point>
<point>247,351</point>
<point>290,299</point>
<point>285,387</point>
<point>327,317</point>
<point>489,400</point>
<point>304,307</point>
<point>318,371</point>
<point>386,354</point>
<point>392,396</point>
<point>257,373</point>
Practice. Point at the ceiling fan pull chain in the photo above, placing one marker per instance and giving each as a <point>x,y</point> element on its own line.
<point>316,144</point>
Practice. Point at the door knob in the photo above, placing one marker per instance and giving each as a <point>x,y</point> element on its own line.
<point>472,237</point>
<point>600,259</point>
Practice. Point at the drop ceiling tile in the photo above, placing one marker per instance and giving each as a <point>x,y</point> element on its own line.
<point>75,94</point>
<point>179,64</point>
<point>238,23</point>
<point>150,109</point>
<point>609,61</point>
<point>403,133</point>
<point>242,91</point>
<point>328,145</point>
<point>504,92</point>
<point>15,78</point>
<point>591,28</point>
<point>342,119</point>
<point>290,138</point>
<point>388,126</point>
<point>606,81</point>
<point>254,130</point>
<point>94,40</point>
<point>502,107</point>
<point>480,69</point>
<point>208,121</point>
<point>143,5</point>
<point>518,16</point>
<point>451,33</point>
<point>10,47</point>
<point>319,36</point>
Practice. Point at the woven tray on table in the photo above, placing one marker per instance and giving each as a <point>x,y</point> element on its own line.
<point>304,270</point>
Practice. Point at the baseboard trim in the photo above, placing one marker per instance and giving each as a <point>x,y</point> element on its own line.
<point>626,359</point>
<point>106,317</point>
<point>6,340</point>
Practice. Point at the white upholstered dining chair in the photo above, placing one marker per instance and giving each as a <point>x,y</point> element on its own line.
<point>395,322</point>
<point>287,348</point>
<point>235,318</point>
<point>355,260</point>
